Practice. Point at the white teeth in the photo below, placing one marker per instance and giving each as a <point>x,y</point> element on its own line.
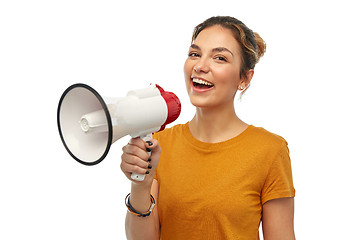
<point>199,81</point>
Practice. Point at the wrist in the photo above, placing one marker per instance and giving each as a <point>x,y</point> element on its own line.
<point>133,211</point>
<point>145,184</point>
<point>140,192</point>
<point>140,197</point>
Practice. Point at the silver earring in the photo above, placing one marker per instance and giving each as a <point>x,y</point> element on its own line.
<point>241,88</point>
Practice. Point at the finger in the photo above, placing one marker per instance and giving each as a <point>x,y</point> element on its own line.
<point>134,160</point>
<point>128,169</point>
<point>138,142</point>
<point>135,150</point>
<point>152,144</point>
<point>141,143</point>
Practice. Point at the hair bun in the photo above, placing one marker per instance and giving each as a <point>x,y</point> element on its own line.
<point>261,46</point>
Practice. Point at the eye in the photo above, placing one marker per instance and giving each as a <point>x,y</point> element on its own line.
<point>221,58</point>
<point>193,54</point>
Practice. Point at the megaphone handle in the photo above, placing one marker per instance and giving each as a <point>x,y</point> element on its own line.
<point>136,176</point>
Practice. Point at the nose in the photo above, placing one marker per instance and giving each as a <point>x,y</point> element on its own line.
<point>202,66</point>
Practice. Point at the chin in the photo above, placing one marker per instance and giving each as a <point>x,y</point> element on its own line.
<point>200,102</point>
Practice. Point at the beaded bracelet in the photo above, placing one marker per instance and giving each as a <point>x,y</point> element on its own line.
<point>136,213</point>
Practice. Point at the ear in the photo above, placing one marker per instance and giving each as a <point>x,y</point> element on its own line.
<point>245,80</point>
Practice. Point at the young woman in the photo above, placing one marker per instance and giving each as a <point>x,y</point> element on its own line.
<point>215,177</point>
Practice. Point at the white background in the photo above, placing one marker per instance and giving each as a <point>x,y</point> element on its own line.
<point>304,89</point>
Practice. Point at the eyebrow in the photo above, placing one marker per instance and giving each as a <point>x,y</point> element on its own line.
<point>217,49</point>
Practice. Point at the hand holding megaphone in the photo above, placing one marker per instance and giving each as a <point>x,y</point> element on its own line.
<point>136,159</point>
<point>88,124</point>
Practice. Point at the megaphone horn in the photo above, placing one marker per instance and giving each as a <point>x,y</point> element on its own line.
<point>88,124</point>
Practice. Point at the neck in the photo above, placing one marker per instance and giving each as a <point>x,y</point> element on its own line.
<point>216,124</point>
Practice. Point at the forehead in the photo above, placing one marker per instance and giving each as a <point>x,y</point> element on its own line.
<point>217,36</point>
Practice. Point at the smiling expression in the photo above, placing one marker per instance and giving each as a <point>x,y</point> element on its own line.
<point>212,69</point>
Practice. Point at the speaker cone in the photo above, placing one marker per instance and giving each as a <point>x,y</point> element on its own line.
<point>86,147</point>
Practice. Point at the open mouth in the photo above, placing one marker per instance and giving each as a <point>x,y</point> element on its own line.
<point>201,84</point>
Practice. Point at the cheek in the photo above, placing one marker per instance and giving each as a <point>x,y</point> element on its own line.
<point>187,68</point>
<point>187,74</point>
<point>228,76</point>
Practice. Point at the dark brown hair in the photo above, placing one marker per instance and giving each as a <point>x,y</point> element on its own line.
<point>252,45</point>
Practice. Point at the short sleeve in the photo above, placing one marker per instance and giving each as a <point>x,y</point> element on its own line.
<point>279,181</point>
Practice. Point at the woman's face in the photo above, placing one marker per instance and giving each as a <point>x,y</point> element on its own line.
<point>212,69</point>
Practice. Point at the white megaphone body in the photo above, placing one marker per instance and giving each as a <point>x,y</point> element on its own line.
<point>88,124</point>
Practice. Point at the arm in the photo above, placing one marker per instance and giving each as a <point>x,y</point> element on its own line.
<point>135,159</point>
<point>143,227</point>
<point>278,219</point>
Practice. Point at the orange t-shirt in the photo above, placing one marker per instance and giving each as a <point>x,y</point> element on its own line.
<point>216,190</point>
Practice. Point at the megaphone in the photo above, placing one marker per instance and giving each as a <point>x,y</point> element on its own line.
<point>88,124</point>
